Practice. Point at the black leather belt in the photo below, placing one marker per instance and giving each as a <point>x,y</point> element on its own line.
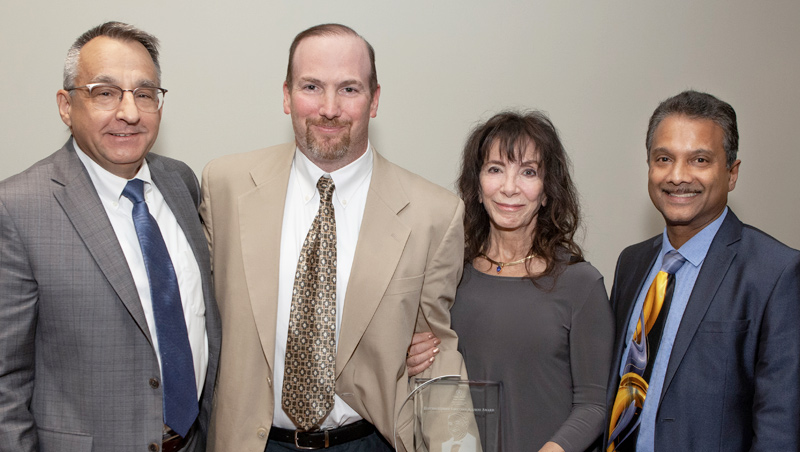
<point>324,438</point>
<point>173,442</point>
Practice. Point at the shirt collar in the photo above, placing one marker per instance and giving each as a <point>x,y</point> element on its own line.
<point>109,186</point>
<point>347,180</point>
<point>696,248</point>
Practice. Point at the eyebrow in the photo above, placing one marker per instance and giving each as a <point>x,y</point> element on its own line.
<point>523,163</point>
<point>319,82</point>
<point>352,82</point>
<point>146,83</point>
<point>311,80</point>
<point>692,152</point>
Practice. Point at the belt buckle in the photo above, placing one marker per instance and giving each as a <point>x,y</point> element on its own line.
<point>297,445</point>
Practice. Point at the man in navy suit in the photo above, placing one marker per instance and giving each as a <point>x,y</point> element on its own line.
<point>726,375</point>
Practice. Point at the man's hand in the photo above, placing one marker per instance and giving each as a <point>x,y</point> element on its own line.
<point>421,353</point>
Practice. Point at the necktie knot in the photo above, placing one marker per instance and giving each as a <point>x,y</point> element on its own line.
<point>325,187</point>
<point>134,191</point>
<point>673,261</point>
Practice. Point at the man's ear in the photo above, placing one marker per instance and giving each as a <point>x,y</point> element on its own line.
<point>64,101</point>
<point>373,106</point>
<point>734,175</point>
<point>287,99</point>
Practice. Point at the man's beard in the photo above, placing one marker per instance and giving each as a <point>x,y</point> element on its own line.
<point>331,149</point>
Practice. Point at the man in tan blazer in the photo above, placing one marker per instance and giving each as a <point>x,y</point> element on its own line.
<point>399,245</point>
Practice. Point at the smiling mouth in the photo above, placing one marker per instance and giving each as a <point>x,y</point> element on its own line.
<point>328,125</point>
<point>122,134</point>
<point>682,193</point>
<point>504,206</point>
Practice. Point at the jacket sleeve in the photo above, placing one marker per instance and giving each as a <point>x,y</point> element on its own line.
<point>18,319</point>
<point>776,400</point>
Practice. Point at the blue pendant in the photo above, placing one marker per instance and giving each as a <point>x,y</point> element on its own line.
<point>499,268</point>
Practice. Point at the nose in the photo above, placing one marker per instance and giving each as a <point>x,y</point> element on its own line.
<point>329,106</point>
<point>127,110</point>
<point>509,187</point>
<point>679,173</point>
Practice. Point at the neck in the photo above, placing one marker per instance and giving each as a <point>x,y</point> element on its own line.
<point>331,165</point>
<point>506,246</point>
<point>679,234</point>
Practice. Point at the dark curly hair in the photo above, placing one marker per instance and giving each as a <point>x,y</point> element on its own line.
<point>557,221</point>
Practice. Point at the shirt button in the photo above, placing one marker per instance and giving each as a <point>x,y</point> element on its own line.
<point>153,447</point>
<point>154,383</point>
<point>262,433</point>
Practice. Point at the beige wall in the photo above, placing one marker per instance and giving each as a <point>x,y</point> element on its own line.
<point>598,68</point>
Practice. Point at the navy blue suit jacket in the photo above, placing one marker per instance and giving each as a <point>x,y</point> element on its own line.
<point>733,379</point>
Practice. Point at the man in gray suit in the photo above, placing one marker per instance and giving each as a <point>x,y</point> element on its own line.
<point>110,333</point>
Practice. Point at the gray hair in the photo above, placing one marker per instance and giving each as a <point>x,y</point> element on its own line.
<point>697,105</point>
<point>115,30</point>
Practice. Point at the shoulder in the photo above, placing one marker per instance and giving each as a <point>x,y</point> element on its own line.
<point>582,283</point>
<point>581,272</point>
<point>632,254</point>
<point>37,179</point>
<point>421,192</point>
<point>168,163</point>
<point>752,236</point>
<point>244,162</point>
<point>763,251</point>
<point>161,166</point>
<point>755,249</point>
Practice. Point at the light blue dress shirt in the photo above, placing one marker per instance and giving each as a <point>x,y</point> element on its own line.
<point>694,251</point>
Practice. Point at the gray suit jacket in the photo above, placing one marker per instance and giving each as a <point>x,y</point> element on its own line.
<point>78,371</point>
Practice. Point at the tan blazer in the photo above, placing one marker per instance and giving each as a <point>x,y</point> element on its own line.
<point>407,264</point>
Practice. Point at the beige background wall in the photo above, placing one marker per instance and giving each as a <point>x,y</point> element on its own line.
<point>598,68</point>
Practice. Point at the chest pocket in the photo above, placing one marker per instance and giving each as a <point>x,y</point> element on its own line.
<point>405,285</point>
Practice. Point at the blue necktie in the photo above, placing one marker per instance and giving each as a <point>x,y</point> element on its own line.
<point>177,368</point>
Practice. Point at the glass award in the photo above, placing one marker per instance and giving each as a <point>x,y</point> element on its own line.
<point>454,415</point>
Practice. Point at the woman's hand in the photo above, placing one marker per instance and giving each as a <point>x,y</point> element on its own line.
<point>421,352</point>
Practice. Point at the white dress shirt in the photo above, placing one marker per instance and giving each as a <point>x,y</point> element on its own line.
<point>302,202</point>
<point>118,208</point>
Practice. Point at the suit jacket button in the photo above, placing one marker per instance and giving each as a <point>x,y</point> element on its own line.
<point>153,447</point>
<point>154,383</point>
<point>262,433</point>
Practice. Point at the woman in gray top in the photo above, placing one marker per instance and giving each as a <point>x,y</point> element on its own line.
<point>529,311</point>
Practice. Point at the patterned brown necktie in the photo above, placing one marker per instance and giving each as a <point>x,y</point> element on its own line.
<point>308,380</point>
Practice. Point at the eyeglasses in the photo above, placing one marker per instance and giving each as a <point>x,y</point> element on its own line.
<point>108,97</point>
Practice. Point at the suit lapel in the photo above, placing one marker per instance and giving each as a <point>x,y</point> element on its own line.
<point>180,201</point>
<point>260,222</point>
<point>381,242</point>
<point>715,266</point>
<point>630,292</point>
<point>76,194</point>
<point>623,297</point>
